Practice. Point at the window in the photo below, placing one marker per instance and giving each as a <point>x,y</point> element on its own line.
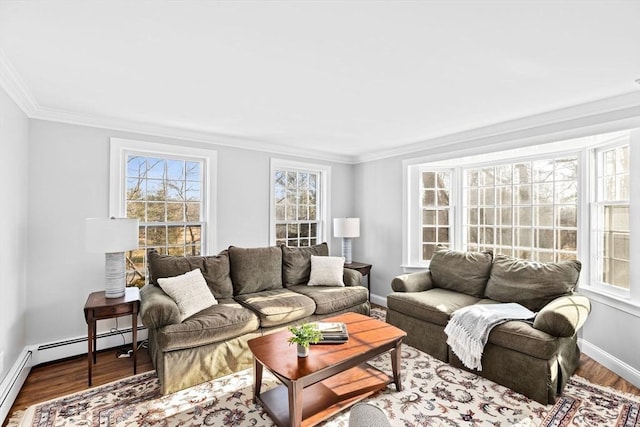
<point>572,199</point>
<point>298,203</point>
<point>611,226</point>
<point>435,207</point>
<point>168,191</point>
<point>526,209</point>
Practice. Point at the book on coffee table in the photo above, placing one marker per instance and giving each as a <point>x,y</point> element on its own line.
<point>333,332</point>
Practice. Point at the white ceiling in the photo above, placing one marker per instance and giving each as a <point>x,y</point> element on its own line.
<point>324,77</point>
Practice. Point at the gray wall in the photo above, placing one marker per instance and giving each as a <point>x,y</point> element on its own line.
<point>13,230</point>
<point>69,176</point>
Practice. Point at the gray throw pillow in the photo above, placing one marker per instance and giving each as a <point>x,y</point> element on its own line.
<point>215,270</point>
<point>530,283</point>
<point>255,269</point>
<point>459,271</point>
<point>296,263</point>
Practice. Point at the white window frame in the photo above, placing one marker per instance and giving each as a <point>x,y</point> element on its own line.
<point>324,172</point>
<point>119,150</point>
<point>412,249</point>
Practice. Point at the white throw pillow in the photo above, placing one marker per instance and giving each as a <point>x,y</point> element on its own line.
<point>326,271</point>
<point>189,291</point>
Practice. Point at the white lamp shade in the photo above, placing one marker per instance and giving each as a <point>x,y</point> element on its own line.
<point>346,227</point>
<point>104,235</point>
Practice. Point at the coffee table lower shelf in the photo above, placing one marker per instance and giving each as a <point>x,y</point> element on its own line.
<point>325,398</point>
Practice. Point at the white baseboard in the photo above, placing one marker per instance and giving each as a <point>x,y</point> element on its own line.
<point>377,299</point>
<point>13,381</point>
<point>616,365</point>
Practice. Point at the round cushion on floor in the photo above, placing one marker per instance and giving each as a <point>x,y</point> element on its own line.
<point>367,415</point>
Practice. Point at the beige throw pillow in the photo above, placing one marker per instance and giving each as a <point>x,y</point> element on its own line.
<point>189,291</point>
<point>326,271</point>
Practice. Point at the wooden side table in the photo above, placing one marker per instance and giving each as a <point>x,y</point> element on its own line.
<point>99,307</point>
<point>364,269</point>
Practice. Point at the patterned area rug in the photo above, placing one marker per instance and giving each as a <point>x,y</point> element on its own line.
<point>435,394</point>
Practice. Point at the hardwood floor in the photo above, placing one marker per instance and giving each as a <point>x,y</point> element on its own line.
<point>56,379</point>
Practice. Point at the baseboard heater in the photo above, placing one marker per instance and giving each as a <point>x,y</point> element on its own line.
<point>57,344</point>
<point>13,382</point>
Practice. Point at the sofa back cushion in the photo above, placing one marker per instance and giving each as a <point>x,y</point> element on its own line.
<point>530,283</point>
<point>296,263</point>
<point>255,269</point>
<point>465,272</point>
<point>215,270</point>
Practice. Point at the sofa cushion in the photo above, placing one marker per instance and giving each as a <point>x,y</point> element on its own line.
<point>220,322</point>
<point>459,271</point>
<point>331,299</point>
<point>326,271</point>
<point>296,262</point>
<point>434,305</point>
<point>255,269</point>
<point>189,291</point>
<point>215,270</point>
<point>524,338</point>
<point>278,306</point>
<point>530,283</point>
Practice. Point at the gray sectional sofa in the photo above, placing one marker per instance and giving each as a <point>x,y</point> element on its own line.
<point>259,290</point>
<point>533,358</point>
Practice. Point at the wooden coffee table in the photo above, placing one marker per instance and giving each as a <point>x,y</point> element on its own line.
<point>333,376</point>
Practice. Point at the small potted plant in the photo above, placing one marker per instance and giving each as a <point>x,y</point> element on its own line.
<point>304,335</point>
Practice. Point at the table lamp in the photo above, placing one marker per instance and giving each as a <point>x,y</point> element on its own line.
<point>112,236</point>
<point>347,228</point>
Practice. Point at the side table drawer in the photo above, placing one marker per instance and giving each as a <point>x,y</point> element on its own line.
<point>114,310</point>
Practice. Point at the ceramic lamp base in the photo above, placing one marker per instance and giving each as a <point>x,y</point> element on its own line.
<point>114,268</point>
<point>346,249</point>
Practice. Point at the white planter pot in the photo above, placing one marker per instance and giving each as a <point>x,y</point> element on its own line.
<point>302,351</point>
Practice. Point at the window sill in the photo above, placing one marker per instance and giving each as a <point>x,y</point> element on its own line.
<point>614,301</point>
<point>414,268</point>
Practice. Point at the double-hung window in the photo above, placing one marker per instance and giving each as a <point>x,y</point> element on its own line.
<point>611,215</point>
<point>298,203</point>
<point>169,190</point>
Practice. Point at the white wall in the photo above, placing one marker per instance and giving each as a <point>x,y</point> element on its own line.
<point>69,179</point>
<point>13,230</point>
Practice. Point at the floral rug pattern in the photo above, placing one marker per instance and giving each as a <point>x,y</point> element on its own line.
<point>435,394</point>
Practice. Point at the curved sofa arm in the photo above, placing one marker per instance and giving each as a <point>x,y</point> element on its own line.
<point>157,309</point>
<point>412,282</point>
<point>563,316</point>
<point>352,277</point>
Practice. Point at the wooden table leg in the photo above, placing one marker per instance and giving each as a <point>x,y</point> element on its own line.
<point>396,356</point>
<point>134,339</point>
<point>295,403</point>
<point>91,345</point>
<point>257,379</point>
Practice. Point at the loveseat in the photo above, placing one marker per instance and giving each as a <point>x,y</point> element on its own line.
<point>258,290</point>
<point>534,358</point>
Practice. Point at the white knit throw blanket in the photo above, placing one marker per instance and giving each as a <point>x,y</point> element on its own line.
<point>469,327</point>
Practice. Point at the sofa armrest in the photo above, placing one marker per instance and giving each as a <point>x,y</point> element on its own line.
<point>352,277</point>
<point>157,309</point>
<point>563,316</point>
<point>412,282</point>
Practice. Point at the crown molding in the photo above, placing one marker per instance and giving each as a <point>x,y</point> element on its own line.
<point>15,87</point>
<point>185,134</point>
<point>616,108</point>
